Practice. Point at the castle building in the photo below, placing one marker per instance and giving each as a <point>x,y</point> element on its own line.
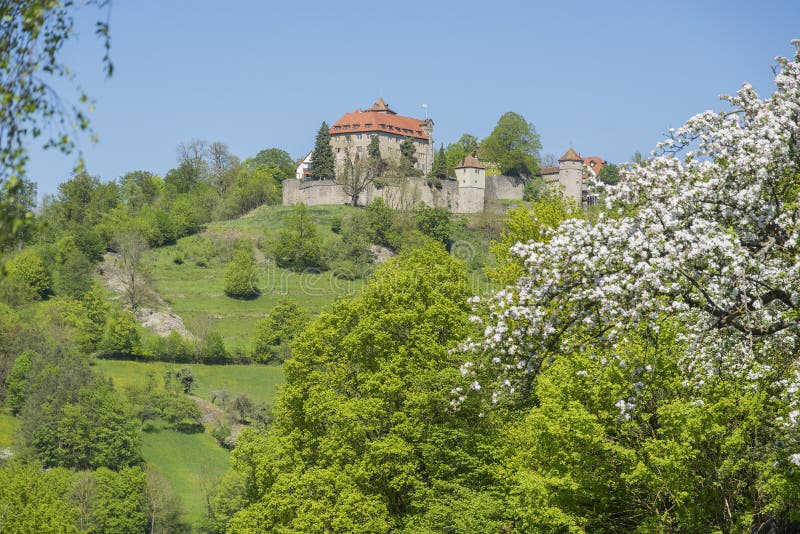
<point>570,174</point>
<point>351,135</point>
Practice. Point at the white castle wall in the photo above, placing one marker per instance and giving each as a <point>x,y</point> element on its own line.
<point>407,194</point>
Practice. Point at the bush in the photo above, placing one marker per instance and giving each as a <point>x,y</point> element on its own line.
<point>241,278</point>
<point>121,338</point>
<point>213,350</point>
<point>28,268</point>
<point>435,223</point>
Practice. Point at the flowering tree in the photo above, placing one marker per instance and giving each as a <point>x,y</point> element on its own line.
<point>653,350</point>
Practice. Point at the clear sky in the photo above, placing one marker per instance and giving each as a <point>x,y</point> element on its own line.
<point>608,78</point>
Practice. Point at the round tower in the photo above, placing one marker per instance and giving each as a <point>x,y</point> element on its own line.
<point>570,175</point>
<point>471,177</point>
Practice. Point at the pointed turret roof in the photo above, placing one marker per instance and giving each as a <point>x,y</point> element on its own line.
<point>470,161</point>
<point>381,107</point>
<point>571,155</point>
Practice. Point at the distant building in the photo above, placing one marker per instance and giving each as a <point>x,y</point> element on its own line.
<point>303,171</point>
<point>351,135</point>
<point>571,173</point>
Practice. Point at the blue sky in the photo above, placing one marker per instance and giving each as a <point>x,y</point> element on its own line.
<point>608,78</point>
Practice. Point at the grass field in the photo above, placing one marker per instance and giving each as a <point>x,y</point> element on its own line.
<point>8,425</point>
<point>259,382</point>
<point>192,463</point>
<point>196,292</point>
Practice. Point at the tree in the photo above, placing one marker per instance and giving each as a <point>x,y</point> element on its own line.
<point>363,440</point>
<point>356,176</point>
<point>32,36</point>
<point>274,159</point>
<point>277,330</point>
<point>241,276</point>
<point>33,500</point>
<point>322,167</point>
<point>131,247</point>
<point>17,383</point>
<point>298,246</point>
<point>434,223</point>
<point>28,268</point>
<point>609,174</point>
<point>222,166</point>
<point>121,337</point>
<point>439,168</point>
<point>455,152</point>
<point>192,159</point>
<point>669,324</point>
<point>408,158</point>
<point>118,503</point>
<point>72,270</point>
<point>163,507</point>
<point>213,349</point>
<point>243,406</point>
<point>513,145</point>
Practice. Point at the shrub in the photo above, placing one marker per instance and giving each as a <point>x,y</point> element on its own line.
<point>121,338</point>
<point>28,268</point>
<point>241,279</point>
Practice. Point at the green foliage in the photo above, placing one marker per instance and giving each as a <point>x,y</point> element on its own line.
<point>408,158</point>
<point>71,419</point>
<point>72,270</point>
<point>118,504</point>
<point>524,224</point>
<point>11,344</point>
<point>455,152</point>
<point>513,145</point>
<point>374,148</point>
<point>609,174</point>
<point>121,338</point>
<point>17,383</point>
<point>34,33</point>
<point>298,246</point>
<point>172,348</point>
<point>241,276</point>
<point>275,332</point>
<point>435,223</point>
<point>182,380</point>
<point>381,218</point>
<point>439,168</point>
<point>213,349</point>
<point>362,429</point>
<point>33,500</point>
<point>273,159</point>
<point>322,167</point>
<point>28,268</point>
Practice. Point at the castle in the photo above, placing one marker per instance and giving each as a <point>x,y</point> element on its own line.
<point>472,190</point>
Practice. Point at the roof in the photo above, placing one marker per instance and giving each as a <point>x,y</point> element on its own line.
<point>470,161</point>
<point>379,121</point>
<point>548,170</point>
<point>381,107</point>
<point>594,164</point>
<point>571,155</point>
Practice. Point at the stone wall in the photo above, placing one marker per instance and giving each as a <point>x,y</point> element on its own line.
<point>406,193</point>
<point>504,187</point>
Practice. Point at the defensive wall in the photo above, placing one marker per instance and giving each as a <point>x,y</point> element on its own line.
<point>406,193</point>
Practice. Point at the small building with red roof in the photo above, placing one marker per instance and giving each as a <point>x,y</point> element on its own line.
<point>572,174</point>
<point>352,133</point>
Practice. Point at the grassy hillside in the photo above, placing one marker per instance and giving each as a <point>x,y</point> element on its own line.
<point>259,382</point>
<point>195,291</point>
<point>8,425</point>
<point>192,463</point>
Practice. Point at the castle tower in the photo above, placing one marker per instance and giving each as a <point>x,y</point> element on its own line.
<point>427,125</point>
<point>570,175</point>
<point>471,177</point>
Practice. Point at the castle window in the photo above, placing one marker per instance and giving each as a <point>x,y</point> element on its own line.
<point>368,125</point>
<point>359,137</point>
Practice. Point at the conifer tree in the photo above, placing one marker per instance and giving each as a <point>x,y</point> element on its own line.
<point>439,168</point>
<point>322,158</point>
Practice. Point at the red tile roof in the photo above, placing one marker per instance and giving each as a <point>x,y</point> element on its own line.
<point>379,118</point>
<point>594,163</point>
<point>470,161</point>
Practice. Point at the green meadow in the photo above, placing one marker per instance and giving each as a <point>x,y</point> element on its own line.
<point>195,287</point>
